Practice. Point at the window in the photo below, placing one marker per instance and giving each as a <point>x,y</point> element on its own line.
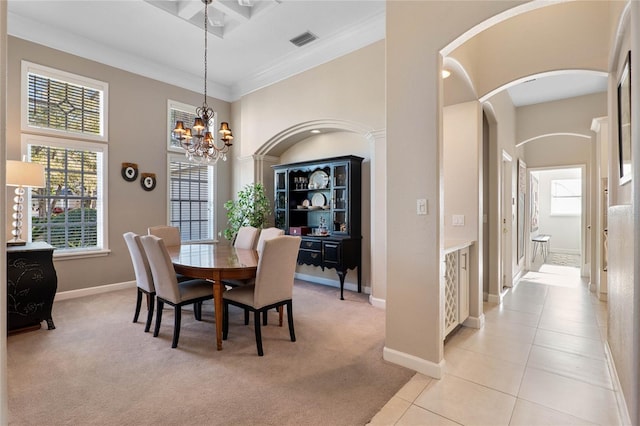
<point>63,104</point>
<point>70,212</point>
<point>566,197</point>
<point>191,197</point>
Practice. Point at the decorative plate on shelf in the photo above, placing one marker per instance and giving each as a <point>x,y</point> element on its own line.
<point>306,203</point>
<point>319,179</point>
<point>318,200</point>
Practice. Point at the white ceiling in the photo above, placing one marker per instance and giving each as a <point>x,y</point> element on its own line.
<point>251,51</point>
<point>248,47</point>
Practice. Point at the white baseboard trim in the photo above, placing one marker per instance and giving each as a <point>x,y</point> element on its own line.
<point>623,411</point>
<point>72,294</point>
<point>420,365</point>
<point>565,251</point>
<point>474,322</point>
<point>494,298</point>
<point>331,283</point>
<point>378,303</point>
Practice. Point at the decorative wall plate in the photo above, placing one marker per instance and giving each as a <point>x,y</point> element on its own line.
<point>129,171</point>
<point>148,181</point>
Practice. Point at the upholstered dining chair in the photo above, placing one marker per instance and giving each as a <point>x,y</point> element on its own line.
<point>170,234</point>
<point>246,237</point>
<point>167,288</point>
<point>144,279</point>
<point>265,234</point>
<point>273,286</point>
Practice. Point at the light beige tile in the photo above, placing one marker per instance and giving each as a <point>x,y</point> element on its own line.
<point>590,331</point>
<point>570,396</point>
<point>510,331</point>
<point>496,346</point>
<point>417,416</point>
<point>589,370</point>
<point>466,402</point>
<point>573,313</point>
<point>522,305</point>
<point>391,412</point>
<point>529,414</point>
<point>484,370</point>
<point>501,314</point>
<point>569,343</point>
<point>413,388</point>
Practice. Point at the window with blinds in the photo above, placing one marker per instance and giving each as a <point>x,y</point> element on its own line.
<point>191,199</point>
<point>58,102</point>
<point>67,213</point>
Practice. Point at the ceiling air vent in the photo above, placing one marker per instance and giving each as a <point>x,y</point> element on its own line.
<point>303,39</point>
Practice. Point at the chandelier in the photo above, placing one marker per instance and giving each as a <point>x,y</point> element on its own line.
<point>198,143</point>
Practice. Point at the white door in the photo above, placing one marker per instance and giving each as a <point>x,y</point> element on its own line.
<point>506,176</point>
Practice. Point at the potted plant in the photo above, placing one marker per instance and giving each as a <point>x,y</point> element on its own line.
<point>251,208</point>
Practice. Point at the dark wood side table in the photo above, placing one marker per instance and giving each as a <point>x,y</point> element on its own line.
<point>31,286</point>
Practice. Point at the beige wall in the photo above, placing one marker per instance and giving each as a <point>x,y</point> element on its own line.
<point>415,36</point>
<point>137,134</point>
<point>623,272</point>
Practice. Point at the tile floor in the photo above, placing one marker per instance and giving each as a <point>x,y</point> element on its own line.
<point>539,360</point>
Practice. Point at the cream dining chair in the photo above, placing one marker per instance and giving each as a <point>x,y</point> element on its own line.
<point>273,286</point>
<point>246,237</point>
<point>167,288</point>
<point>144,279</point>
<point>170,234</point>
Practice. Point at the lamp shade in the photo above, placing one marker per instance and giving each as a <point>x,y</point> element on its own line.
<point>20,173</point>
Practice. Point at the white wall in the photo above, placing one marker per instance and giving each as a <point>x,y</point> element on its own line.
<point>564,230</point>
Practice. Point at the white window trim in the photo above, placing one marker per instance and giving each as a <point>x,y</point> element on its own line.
<point>171,104</point>
<point>102,213</point>
<point>213,176</point>
<point>30,67</point>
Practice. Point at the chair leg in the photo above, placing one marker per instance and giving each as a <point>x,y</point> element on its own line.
<point>290,319</point>
<point>158,317</point>
<point>197,311</point>
<point>147,326</point>
<point>256,321</point>
<point>225,320</point>
<point>280,314</point>
<point>176,326</point>
<point>246,317</point>
<point>138,304</point>
<point>264,317</point>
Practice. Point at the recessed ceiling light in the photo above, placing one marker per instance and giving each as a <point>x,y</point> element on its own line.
<point>315,131</point>
<point>446,73</point>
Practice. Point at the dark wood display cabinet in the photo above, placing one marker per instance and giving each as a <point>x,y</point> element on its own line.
<point>321,201</point>
<point>31,286</point>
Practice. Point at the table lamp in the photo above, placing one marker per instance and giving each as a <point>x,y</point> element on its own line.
<point>22,174</point>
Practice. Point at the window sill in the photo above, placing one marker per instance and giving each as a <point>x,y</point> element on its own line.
<point>80,254</point>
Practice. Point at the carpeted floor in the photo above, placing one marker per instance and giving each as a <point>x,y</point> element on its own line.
<point>563,259</point>
<point>98,368</point>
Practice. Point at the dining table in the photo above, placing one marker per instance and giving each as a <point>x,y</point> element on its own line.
<point>215,262</point>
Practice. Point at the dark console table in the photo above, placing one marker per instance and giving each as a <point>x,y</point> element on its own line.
<point>31,286</point>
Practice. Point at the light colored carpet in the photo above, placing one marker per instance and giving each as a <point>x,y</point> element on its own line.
<point>99,368</point>
<point>563,259</point>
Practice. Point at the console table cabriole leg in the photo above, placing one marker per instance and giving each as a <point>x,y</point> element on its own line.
<point>341,275</point>
<point>50,325</point>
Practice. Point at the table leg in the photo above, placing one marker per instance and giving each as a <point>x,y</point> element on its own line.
<point>217,303</point>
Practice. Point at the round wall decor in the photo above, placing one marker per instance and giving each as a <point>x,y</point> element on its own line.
<point>148,181</point>
<point>129,171</point>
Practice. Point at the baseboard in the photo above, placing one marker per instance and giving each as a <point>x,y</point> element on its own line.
<point>72,294</point>
<point>420,365</point>
<point>623,411</point>
<point>474,322</point>
<point>378,303</point>
<point>494,298</point>
<point>565,251</point>
<point>330,282</point>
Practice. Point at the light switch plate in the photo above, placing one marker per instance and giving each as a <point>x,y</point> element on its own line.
<point>457,220</point>
<point>421,206</point>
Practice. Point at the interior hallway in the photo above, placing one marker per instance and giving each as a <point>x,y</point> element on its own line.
<point>539,360</point>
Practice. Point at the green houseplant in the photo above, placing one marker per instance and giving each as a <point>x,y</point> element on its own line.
<point>251,208</point>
